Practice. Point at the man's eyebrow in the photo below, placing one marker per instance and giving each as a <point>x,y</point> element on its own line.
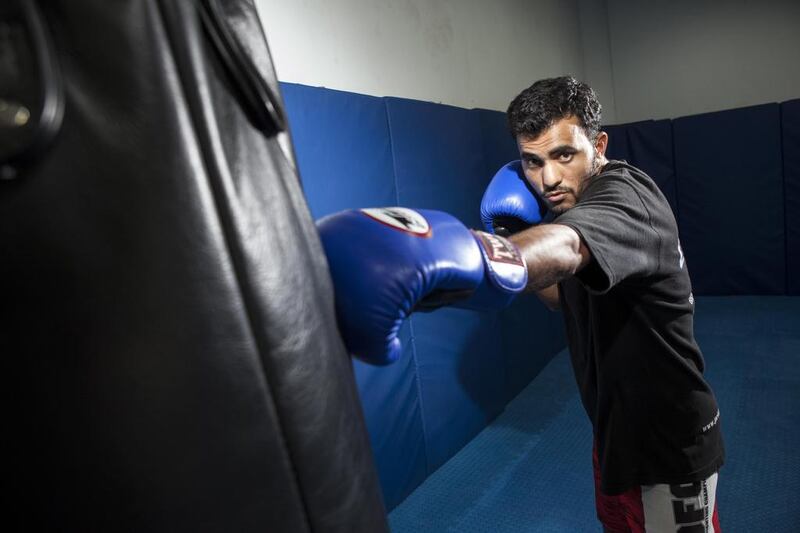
<point>563,149</point>
<point>530,156</point>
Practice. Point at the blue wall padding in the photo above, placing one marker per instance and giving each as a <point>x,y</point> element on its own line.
<point>439,164</point>
<point>730,200</point>
<point>393,410</point>
<point>790,122</point>
<point>531,336</point>
<point>648,146</point>
<point>462,377</point>
<point>438,157</point>
<point>499,146</point>
<point>617,142</point>
<point>342,145</point>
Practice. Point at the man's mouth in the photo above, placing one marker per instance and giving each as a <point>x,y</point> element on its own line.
<point>555,196</point>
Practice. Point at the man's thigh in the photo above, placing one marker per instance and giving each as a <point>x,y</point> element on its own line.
<point>685,508</point>
<point>682,508</point>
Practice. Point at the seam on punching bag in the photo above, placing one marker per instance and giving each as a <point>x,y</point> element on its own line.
<point>234,252</point>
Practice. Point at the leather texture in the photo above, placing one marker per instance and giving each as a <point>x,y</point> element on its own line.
<point>168,331</point>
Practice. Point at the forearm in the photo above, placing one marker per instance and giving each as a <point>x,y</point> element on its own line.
<point>552,252</point>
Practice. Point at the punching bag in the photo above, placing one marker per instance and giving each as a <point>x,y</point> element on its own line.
<point>171,358</point>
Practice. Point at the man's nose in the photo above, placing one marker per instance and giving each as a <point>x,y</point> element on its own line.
<point>550,176</point>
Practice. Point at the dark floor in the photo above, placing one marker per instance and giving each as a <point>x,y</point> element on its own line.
<point>531,471</point>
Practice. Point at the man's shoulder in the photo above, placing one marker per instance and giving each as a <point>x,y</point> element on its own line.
<point>614,175</point>
<point>623,170</point>
<point>622,174</point>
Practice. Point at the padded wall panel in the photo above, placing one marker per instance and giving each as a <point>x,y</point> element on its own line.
<point>439,164</point>
<point>617,142</point>
<point>498,146</point>
<point>342,144</point>
<point>790,122</point>
<point>730,200</point>
<point>462,377</point>
<point>531,336</point>
<point>391,400</point>
<point>438,157</point>
<point>344,156</point>
<point>648,146</point>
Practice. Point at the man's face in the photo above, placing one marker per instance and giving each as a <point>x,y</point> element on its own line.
<point>559,161</point>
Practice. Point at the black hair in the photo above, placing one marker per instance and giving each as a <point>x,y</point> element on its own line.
<point>547,101</point>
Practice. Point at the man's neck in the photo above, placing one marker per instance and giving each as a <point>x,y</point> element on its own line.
<point>599,165</point>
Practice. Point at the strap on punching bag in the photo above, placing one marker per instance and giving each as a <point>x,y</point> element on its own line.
<point>255,95</point>
<point>31,92</point>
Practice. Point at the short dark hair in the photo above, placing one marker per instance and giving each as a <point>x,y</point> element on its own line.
<point>547,101</point>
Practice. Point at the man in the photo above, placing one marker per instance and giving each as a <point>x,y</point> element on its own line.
<point>610,258</point>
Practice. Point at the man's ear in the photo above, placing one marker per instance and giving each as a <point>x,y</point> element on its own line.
<point>601,143</point>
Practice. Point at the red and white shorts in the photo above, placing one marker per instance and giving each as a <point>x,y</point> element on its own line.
<point>684,508</point>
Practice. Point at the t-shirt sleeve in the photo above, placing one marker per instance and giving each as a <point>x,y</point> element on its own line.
<point>614,222</point>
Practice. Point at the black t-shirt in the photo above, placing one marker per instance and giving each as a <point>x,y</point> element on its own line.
<point>629,322</point>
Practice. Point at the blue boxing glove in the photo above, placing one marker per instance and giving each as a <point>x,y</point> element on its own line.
<point>510,204</point>
<point>389,262</point>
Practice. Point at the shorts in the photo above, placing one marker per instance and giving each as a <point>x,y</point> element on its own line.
<point>683,508</point>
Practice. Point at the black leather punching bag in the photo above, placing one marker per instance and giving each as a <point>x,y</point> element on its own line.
<point>169,345</point>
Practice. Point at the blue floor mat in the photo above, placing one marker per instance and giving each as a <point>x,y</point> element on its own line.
<point>530,470</point>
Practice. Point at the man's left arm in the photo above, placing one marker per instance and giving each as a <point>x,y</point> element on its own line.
<point>553,252</point>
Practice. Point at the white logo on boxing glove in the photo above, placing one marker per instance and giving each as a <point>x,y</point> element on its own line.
<point>401,218</point>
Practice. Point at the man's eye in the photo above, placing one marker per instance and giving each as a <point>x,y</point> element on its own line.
<point>531,163</point>
<point>565,157</point>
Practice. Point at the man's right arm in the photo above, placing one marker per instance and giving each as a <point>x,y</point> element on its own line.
<point>552,252</point>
